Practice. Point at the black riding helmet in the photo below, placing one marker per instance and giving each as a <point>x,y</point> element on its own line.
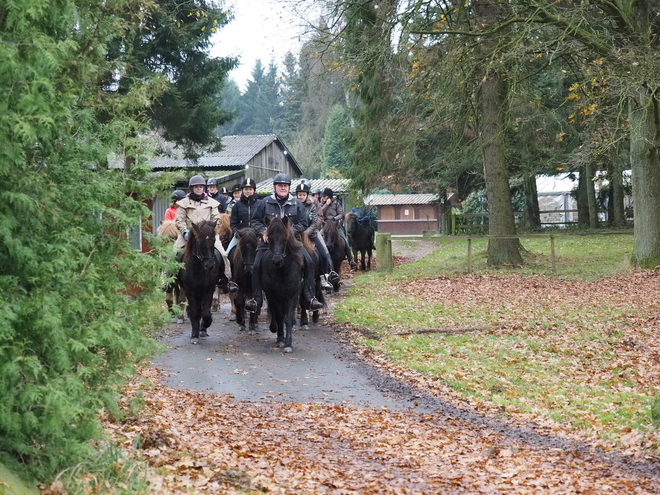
<point>178,195</point>
<point>302,187</point>
<point>282,178</point>
<point>212,182</point>
<point>247,182</point>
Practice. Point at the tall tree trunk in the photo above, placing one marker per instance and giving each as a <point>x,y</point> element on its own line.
<point>645,165</point>
<point>617,218</point>
<point>532,213</point>
<point>591,195</point>
<point>582,200</point>
<point>492,101</point>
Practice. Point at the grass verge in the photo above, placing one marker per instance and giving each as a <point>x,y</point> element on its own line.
<point>578,348</point>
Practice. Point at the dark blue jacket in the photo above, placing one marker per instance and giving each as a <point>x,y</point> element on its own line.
<point>271,207</point>
<point>243,212</point>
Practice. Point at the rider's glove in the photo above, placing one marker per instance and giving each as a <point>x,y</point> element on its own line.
<point>185,235</point>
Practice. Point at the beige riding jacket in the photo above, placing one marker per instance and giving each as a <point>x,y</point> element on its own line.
<point>190,212</point>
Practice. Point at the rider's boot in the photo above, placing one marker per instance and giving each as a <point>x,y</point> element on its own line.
<point>252,305</point>
<point>232,287</point>
<point>333,277</point>
<point>315,304</point>
<point>325,284</point>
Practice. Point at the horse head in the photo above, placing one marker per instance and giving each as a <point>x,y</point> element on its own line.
<point>201,244</point>
<point>246,249</point>
<point>351,223</point>
<point>281,240</point>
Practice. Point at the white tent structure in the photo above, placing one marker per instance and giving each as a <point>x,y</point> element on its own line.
<point>554,194</point>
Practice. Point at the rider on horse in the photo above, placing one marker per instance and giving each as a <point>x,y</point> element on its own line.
<point>330,276</point>
<point>333,211</point>
<point>198,207</point>
<point>170,213</point>
<point>243,210</point>
<point>281,204</point>
<point>212,191</point>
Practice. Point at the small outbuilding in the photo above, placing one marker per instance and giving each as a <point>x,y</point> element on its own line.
<point>407,214</point>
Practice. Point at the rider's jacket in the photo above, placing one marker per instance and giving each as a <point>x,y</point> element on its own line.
<point>190,212</point>
<point>221,199</point>
<point>333,211</point>
<point>242,213</point>
<point>314,220</point>
<point>271,207</point>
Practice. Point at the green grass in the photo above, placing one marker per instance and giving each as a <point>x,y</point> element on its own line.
<point>556,360</point>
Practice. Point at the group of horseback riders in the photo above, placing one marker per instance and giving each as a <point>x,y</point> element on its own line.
<point>307,212</point>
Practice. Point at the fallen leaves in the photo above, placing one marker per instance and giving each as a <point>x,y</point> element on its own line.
<point>213,444</point>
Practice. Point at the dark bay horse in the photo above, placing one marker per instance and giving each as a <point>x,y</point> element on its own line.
<point>361,239</point>
<point>281,279</point>
<point>199,276</point>
<point>318,290</point>
<point>241,258</point>
<point>336,247</point>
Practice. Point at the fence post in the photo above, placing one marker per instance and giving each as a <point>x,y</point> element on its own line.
<point>552,253</point>
<point>469,255</point>
<point>384,251</point>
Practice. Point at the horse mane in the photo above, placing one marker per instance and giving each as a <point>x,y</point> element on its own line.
<point>203,230</point>
<point>277,228</point>
<point>223,229</point>
<point>168,228</point>
<point>307,242</point>
<point>331,230</point>
<point>245,236</point>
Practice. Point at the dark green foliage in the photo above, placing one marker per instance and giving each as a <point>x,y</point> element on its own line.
<point>69,330</point>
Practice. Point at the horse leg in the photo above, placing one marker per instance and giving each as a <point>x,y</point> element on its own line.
<point>180,299</point>
<point>368,259</point>
<point>239,302</point>
<point>207,317</point>
<point>289,322</point>
<point>304,321</point>
<point>194,313</point>
<point>253,323</point>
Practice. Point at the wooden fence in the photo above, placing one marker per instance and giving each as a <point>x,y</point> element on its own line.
<point>384,245</point>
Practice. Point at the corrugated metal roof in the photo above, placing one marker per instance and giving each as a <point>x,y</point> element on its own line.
<point>338,186</point>
<point>237,151</point>
<point>400,199</point>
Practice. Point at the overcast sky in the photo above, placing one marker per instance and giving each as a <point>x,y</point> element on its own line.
<point>261,29</point>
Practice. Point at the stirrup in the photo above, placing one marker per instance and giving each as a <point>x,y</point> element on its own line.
<point>251,306</point>
<point>314,304</point>
<point>333,277</point>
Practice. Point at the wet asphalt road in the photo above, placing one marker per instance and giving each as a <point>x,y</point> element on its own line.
<point>252,368</point>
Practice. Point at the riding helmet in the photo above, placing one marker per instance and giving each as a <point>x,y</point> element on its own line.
<point>236,187</point>
<point>178,194</point>
<point>224,190</point>
<point>212,182</point>
<point>247,182</point>
<point>282,178</point>
<point>316,190</point>
<point>327,192</point>
<point>302,188</point>
<point>196,180</point>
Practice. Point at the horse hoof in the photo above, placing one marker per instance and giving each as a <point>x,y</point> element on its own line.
<point>288,349</point>
<point>203,333</point>
<point>304,327</point>
<point>194,341</point>
<point>232,317</point>
<point>280,345</point>
<point>241,328</point>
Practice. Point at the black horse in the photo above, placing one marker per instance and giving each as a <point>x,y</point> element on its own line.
<point>361,238</point>
<point>336,247</point>
<point>241,258</point>
<point>318,290</point>
<point>281,279</point>
<point>199,276</point>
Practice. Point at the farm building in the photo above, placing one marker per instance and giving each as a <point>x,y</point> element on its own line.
<point>407,214</point>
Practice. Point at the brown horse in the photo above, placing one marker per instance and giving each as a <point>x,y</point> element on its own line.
<point>223,229</point>
<point>175,296</point>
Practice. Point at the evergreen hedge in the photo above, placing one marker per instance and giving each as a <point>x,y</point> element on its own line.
<point>70,330</point>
